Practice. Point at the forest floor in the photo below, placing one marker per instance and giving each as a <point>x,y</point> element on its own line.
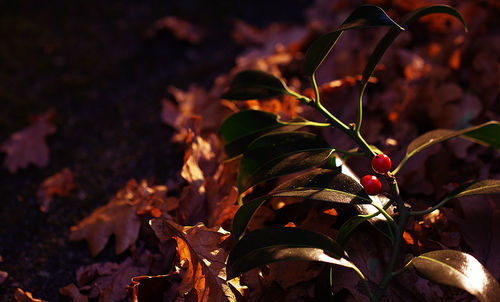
<point>117,83</point>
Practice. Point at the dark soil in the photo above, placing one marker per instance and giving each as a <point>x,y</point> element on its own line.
<point>94,64</point>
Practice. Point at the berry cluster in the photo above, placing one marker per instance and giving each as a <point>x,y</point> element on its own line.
<point>381,164</point>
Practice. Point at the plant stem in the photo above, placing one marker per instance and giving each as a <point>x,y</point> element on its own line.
<point>355,135</point>
<point>360,108</point>
<point>365,282</point>
<point>424,212</point>
<point>404,214</point>
<point>316,90</point>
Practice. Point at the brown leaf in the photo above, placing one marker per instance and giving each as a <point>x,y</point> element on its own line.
<point>3,276</point>
<point>28,146</point>
<point>200,252</point>
<point>22,296</point>
<point>181,29</point>
<point>73,292</point>
<point>119,217</point>
<point>153,288</point>
<point>199,160</point>
<point>224,209</point>
<point>196,101</point>
<point>480,228</point>
<point>59,184</point>
<point>110,284</point>
<point>86,274</point>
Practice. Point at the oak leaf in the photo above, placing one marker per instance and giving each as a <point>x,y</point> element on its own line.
<point>203,258</point>
<point>152,288</point>
<point>200,159</point>
<point>28,145</point>
<point>109,280</point>
<point>3,276</point>
<point>119,217</point>
<point>22,296</point>
<point>73,292</point>
<point>181,29</point>
<point>59,184</point>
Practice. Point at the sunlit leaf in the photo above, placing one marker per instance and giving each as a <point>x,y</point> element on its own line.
<point>242,127</point>
<point>254,84</point>
<point>319,184</point>
<point>363,16</point>
<point>268,245</point>
<point>200,249</point>
<point>394,32</point>
<point>458,269</point>
<point>487,133</point>
<point>482,187</point>
<point>279,154</point>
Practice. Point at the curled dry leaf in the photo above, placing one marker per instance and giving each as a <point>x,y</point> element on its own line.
<point>199,250</point>
<point>3,276</point>
<point>196,101</point>
<point>181,29</point>
<point>22,296</point>
<point>74,293</point>
<point>120,217</point>
<point>28,146</point>
<point>111,283</point>
<point>59,184</point>
<point>199,160</point>
<point>479,229</point>
<point>151,288</point>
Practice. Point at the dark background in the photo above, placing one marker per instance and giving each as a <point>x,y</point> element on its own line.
<point>94,64</point>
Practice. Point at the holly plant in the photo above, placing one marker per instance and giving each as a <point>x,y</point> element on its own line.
<point>269,147</point>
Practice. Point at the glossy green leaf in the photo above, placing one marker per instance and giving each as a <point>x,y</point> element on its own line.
<point>279,154</point>
<point>348,227</point>
<point>242,127</point>
<point>363,16</point>
<point>482,187</point>
<point>268,245</point>
<point>254,84</point>
<point>319,184</point>
<point>458,269</point>
<point>394,32</point>
<point>487,133</point>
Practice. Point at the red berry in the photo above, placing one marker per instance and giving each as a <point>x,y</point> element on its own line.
<point>371,184</point>
<point>381,163</point>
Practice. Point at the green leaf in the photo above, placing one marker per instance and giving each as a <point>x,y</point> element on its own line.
<point>458,269</point>
<point>319,184</point>
<point>277,154</point>
<point>254,84</point>
<point>348,227</point>
<point>487,133</point>
<point>394,32</point>
<point>268,245</point>
<point>242,127</point>
<point>482,187</point>
<point>363,16</point>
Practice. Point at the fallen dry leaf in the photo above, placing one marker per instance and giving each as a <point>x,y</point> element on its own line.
<point>199,160</point>
<point>154,288</point>
<point>3,276</point>
<point>28,146</point>
<point>112,285</point>
<point>59,184</point>
<point>480,228</point>
<point>74,293</point>
<point>181,29</point>
<point>119,217</point>
<point>202,257</point>
<point>22,296</point>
